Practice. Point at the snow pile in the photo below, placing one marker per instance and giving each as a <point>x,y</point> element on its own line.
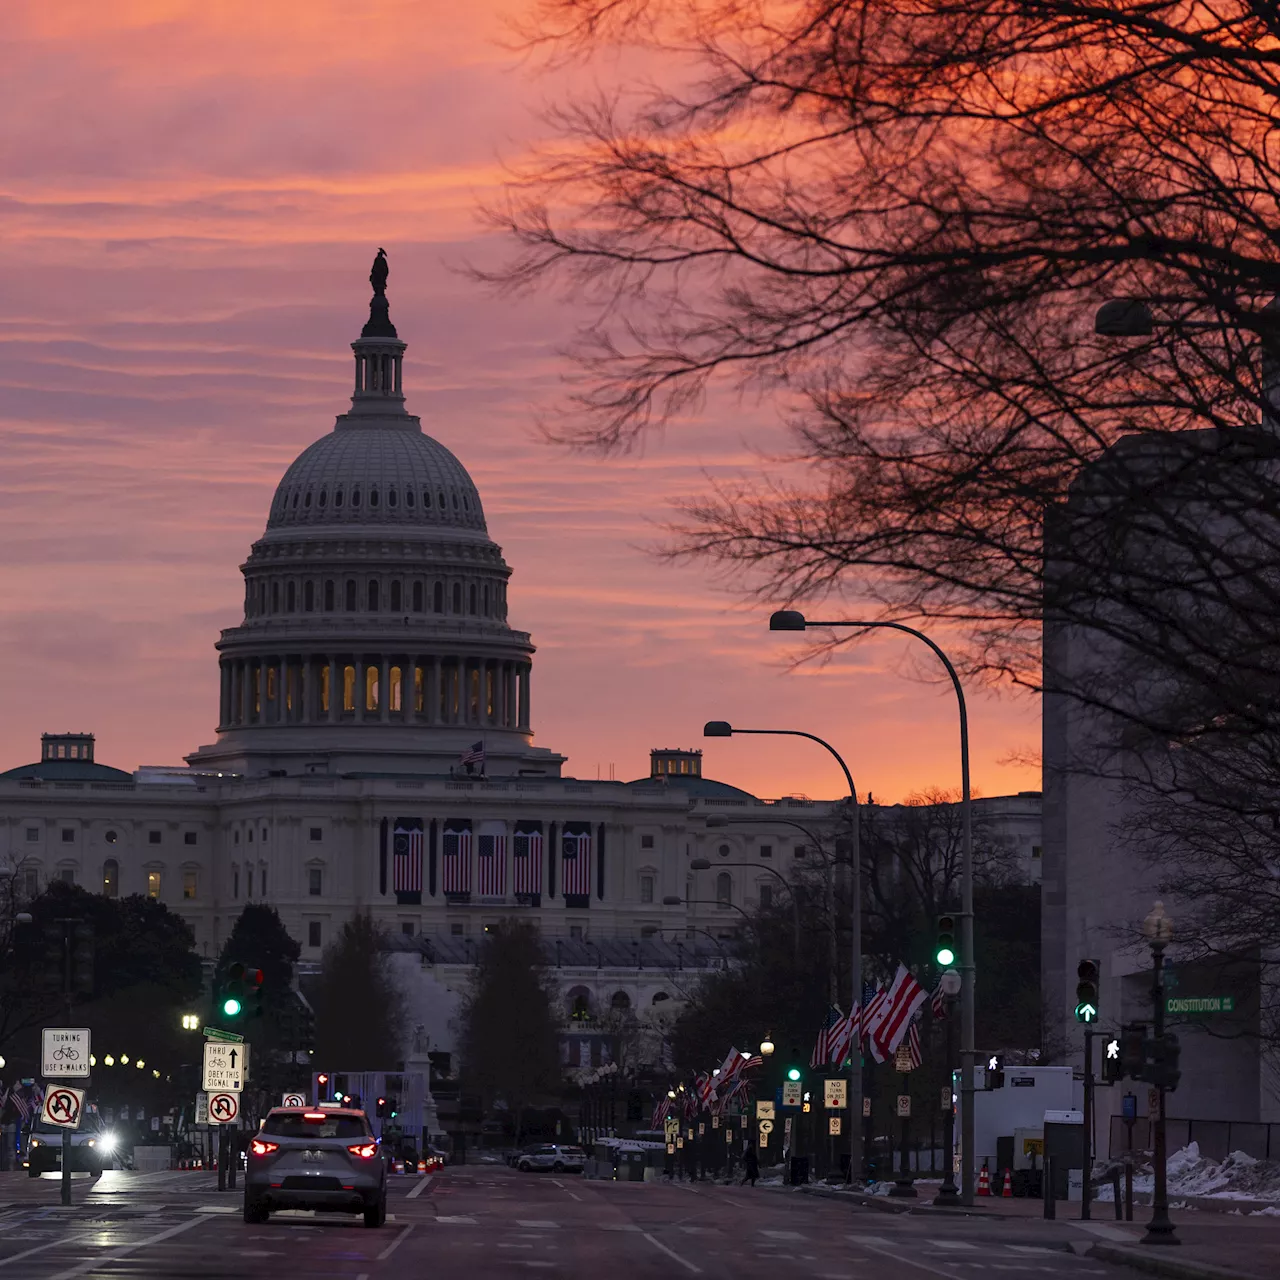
<point>1238,1177</point>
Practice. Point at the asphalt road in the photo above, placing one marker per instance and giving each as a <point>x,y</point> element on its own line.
<point>485,1220</point>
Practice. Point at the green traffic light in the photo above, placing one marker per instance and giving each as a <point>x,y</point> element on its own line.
<point>946,957</point>
<point>793,1073</point>
<point>1086,1012</point>
<point>231,1006</point>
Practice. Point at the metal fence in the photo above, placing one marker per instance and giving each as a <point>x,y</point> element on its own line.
<point>1216,1138</point>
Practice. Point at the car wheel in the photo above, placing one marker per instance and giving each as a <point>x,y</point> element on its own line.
<point>375,1215</point>
<point>32,1171</point>
<point>524,1166</point>
<point>558,1167</point>
<point>254,1212</point>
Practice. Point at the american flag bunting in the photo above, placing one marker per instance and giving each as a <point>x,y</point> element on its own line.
<point>491,860</point>
<point>526,861</point>
<point>456,851</point>
<point>575,850</point>
<point>406,856</point>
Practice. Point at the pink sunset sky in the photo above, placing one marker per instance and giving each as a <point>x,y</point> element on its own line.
<point>191,192</point>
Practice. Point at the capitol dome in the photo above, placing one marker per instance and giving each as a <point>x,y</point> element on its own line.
<point>375,636</point>
<point>388,474</point>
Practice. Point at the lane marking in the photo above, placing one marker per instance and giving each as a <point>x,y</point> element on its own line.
<point>540,1223</point>
<point>671,1253</point>
<point>92,1264</point>
<point>783,1235</point>
<point>419,1188</point>
<point>565,1189</point>
<point>618,1226</point>
<point>908,1262</point>
<point>456,1220</point>
<point>395,1244</point>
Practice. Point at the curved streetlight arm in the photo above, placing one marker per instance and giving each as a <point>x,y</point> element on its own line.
<point>792,620</point>
<point>813,737</point>
<point>777,875</point>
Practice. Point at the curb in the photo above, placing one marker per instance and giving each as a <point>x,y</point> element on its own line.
<point>1158,1262</point>
<point>890,1204</point>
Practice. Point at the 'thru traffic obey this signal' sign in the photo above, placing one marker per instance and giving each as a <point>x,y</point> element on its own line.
<point>225,1067</point>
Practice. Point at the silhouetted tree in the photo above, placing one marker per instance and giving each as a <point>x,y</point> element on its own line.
<point>508,1025</point>
<point>359,1009</point>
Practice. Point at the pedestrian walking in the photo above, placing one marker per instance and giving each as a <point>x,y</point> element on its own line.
<point>751,1163</point>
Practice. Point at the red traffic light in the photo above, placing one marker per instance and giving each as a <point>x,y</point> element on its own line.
<point>322,1079</point>
<point>253,978</point>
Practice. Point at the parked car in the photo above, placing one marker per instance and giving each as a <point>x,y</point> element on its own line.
<point>559,1159</point>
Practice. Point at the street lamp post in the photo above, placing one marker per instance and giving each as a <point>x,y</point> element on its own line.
<point>704,864</point>
<point>722,729</point>
<point>1157,928</point>
<point>791,620</point>
<point>948,1193</point>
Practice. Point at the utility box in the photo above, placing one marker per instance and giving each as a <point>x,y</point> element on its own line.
<point>1064,1145</point>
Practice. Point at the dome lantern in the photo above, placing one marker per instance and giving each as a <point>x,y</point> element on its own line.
<point>379,352</point>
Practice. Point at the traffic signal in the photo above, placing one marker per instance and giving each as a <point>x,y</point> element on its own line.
<point>793,1073</point>
<point>1087,973</point>
<point>231,997</point>
<point>945,952</point>
<point>995,1072</point>
<point>1111,1066</point>
<point>253,992</point>
<point>380,1109</point>
<point>1133,1038</point>
<point>808,1102</point>
<point>1162,1054</point>
<point>82,957</point>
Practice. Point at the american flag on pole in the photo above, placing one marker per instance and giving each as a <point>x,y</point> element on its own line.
<point>456,855</point>
<point>575,851</point>
<point>526,861</point>
<point>938,1002</point>
<point>821,1054</point>
<point>473,757</point>
<point>690,1103</point>
<point>843,1036</point>
<point>661,1110</point>
<point>705,1087</point>
<point>873,1003</point>
<point>491,857</point>
<point>406,856</point>
<point>913,1044</point>
<point>904,996</point>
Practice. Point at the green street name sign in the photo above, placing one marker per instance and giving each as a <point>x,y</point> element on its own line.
<point>1200,1004</point>
<point>217,1033</point>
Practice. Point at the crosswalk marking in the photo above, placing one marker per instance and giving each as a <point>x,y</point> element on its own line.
<point>456,1220</point>
<point>541,1223</point>
<point>783,1235</point>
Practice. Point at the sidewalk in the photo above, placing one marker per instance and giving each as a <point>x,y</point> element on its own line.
<point>1232,1245</point>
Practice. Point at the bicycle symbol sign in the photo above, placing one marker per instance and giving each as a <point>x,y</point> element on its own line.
<point>223,1107</point>
<point>65,1051</point>
<point>62,1106</point>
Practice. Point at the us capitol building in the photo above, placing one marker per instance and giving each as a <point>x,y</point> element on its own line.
<point>374,654</point>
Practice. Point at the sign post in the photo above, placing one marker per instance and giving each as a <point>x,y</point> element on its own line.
<point>63,1107</point>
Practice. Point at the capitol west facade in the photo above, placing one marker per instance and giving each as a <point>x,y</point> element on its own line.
<point>374,651</point>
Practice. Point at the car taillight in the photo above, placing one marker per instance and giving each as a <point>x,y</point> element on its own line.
<point>260,1148</point>
<point>365,1150</point>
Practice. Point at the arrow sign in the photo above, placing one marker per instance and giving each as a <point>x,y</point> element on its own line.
<point>224,1067</point>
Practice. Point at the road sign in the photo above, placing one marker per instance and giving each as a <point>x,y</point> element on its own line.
<point>946,1098</point>
<point>902,1058</point>
<point>835,1093</point>
<point>764,1110</point>
<point>766,1126</point>
<point>1153,1104</point>
<point>64,1052</point>
<point>63,1106</point>
<point>202,1108</point>
<point>702,1127</point>
<point>224,1108</point>
<point>217,1033</point>
<point>293,1100</point>
<point>833,1126</point>
<point>224,1066</point>
<point>1033,1146</point>
<point>791,1093</point>
<point>904,1104</point>
<point>866,1108</point>
<point>1200,1004</point>
<point>670,1127</point>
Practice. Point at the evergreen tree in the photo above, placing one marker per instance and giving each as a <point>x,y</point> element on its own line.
<point>359,1009</point>
<point>508,1026</point>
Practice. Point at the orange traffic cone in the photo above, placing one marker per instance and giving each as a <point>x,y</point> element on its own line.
<point>1007,1193</point>
<point>422,1166</point>
<point>984,1182</point>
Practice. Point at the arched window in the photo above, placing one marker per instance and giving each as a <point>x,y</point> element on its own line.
<point>724,889</point>
<point>471,598</point>
<point>391,497</point>
<point>620,1002</point>
<point>262,597</point>
<point>275,597</point>
<point>324,688</point>
<point>408,498</point>
<point>393,681</point>
<point>306,502</point>
<point>355,496</point>
<point>111,878</point>
<point>417,597</point>
<point>395,596</point>
<point>437,597</point>
<point>290,598</point>
<point>426,498</point>
<point>324,497</point>
<point>486,599</point>
<point>328,595</point>
<point>371,688</point>
<point>457,597</point>
<point>373,496</point>
<point>348,688</point>
<point>723,850</point>
<point>373,595</point>
<point>337,497</point>
<point>309,596</point>
<point>660,997</point>
<point>579,1004</point>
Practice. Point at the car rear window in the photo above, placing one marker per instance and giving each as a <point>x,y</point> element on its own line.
<point>298,1126</point>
